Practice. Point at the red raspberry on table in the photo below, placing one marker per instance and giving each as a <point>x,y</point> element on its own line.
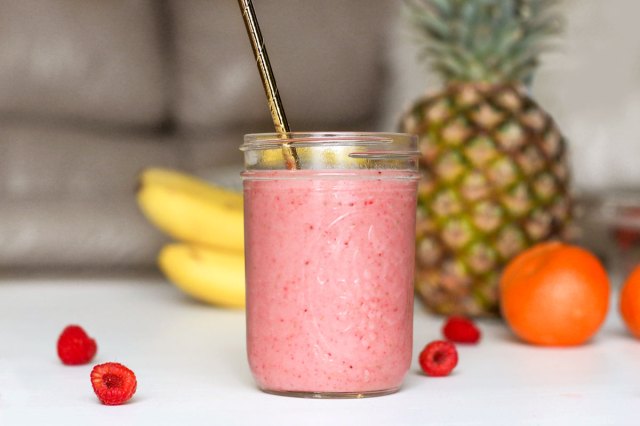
<point>113,383</point>
<point>461,330</point>
<point>75,347</point>
<point>438,358</point>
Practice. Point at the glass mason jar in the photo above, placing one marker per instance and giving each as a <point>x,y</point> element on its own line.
<point>329,251</point>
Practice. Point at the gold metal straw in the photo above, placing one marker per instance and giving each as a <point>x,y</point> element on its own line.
<point>268,81</point>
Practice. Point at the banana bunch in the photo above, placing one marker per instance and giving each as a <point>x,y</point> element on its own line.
<point>208,262</point>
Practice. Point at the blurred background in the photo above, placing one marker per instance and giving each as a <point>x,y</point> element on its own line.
<point>93,91</point>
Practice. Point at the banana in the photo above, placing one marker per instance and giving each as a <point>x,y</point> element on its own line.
<point>192,210</point>
<point>210,275</point>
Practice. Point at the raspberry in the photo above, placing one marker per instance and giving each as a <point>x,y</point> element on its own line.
<point>113,383</point>
<point>461,330</point>
<point>438,358</point>
<point>75,347</point>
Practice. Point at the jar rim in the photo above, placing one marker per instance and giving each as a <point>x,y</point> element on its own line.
<point>331,150</point>
<point>260,141</point>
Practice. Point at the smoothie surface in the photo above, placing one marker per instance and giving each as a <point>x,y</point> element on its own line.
<point>330,260</point>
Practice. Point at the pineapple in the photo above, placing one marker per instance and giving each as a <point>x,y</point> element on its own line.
<point>494,176</point>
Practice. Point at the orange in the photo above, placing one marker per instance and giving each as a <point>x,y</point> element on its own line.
<point>630,302</point>
<point>554,294</point>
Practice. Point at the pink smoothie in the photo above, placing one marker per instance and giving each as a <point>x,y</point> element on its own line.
<point>330,263</point>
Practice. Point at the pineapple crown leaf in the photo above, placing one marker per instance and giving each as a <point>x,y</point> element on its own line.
<point>484,40</point>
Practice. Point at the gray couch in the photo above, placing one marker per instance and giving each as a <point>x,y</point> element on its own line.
<point>92,91</point>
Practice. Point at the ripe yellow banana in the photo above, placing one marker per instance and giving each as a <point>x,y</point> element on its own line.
<point>192,210</point>
<point>210,275</point>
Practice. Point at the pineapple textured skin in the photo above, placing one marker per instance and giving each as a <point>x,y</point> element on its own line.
<point>494,181</point>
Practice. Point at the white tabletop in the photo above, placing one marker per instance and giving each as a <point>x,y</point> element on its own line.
<point>191,367</point>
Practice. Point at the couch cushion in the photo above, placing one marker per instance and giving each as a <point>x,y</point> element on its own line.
<point>97,60</point>
<point>71,233</point>
<point>49,161</point>
<point>326,57</point>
